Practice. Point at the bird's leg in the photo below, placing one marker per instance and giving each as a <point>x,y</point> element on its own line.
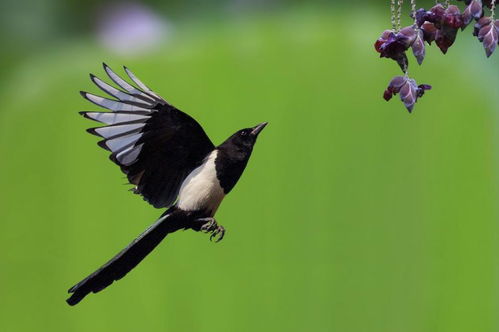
<point>209,225</point>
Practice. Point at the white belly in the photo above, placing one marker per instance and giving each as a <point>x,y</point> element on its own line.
<point>201,190</point>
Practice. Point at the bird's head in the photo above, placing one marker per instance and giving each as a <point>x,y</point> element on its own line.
<point>244,139</point>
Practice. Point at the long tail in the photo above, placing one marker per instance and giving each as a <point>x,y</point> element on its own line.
<point>126,259</point>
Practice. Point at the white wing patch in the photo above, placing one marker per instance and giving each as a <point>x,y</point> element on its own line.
<point>115,92</point>
<point>130,111</point>
<point>114,118</point>
<point>124,84</point>
<point>114,105</point>
<point>112,131</point>
<point>140,84</point>
<point>117,144</point>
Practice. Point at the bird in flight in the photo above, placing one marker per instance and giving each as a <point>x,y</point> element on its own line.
<point>170,161</point>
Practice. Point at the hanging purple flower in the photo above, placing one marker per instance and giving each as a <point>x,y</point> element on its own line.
<point>407,88</point>
<point>473,11</point>
<point>393,45</point>
<point>440,24</point>
<point>451,22</point>
<point>390,46</point>
<point>418,47</point>
<point>488,35</point>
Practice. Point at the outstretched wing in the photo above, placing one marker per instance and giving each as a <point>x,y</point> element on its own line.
<point>155,144</point>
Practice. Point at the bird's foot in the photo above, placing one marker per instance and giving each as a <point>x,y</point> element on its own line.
<point>210,225</point>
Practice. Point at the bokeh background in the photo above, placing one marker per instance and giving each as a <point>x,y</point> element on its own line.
<point>352,215</point>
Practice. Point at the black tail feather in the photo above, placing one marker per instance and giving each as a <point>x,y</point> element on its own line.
<point>126,259</point>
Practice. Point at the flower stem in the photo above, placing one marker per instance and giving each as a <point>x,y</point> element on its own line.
<point>392,14</point>
<point>399,13</point>
<point>413,9</point>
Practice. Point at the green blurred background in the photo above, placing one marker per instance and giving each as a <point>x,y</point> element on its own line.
<point>352,215</point>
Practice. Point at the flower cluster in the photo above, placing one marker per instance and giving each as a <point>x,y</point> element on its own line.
<point>393,45</point>
<point>408,89</point>
<point>439,24</point>
<point>442,24</point>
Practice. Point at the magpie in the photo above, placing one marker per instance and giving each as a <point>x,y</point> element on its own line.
<point>171,163</point>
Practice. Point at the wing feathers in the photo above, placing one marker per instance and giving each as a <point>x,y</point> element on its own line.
<point>129,156</point>
<point>111,118</point>
<point>127,118</point>
<point>116,130</point>
<point>117,144</point>
<point>125,85</point>
<point>155,144</point>
<point>140,84</point>
<point>123,96</point>
<point>114,105</point>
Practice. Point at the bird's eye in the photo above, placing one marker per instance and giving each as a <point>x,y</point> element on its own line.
<point>244,133</point>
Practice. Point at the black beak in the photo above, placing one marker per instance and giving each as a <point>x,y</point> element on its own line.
<point>258,128</point>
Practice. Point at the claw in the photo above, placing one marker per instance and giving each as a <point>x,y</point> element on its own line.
<point>222,234</point>
<point>210,226</point>
<point>218,232</point>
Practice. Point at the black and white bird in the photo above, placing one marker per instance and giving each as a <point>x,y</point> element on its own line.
<point>170,161</point>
